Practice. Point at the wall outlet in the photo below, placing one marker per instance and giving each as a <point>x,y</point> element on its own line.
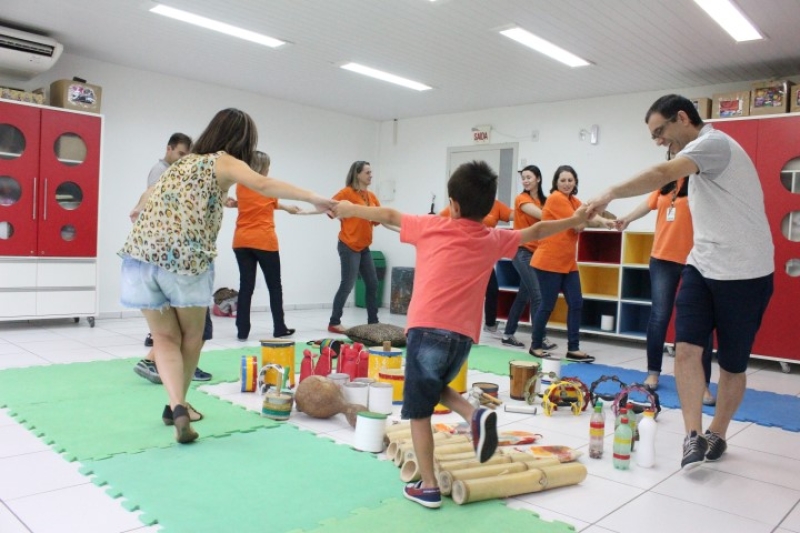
<point>535,135</point>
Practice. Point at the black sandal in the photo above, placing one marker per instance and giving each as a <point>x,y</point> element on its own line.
<point>184,433</point>
<point>167,416</point>
<point>577,357</point>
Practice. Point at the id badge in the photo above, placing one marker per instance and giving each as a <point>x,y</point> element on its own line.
<point>670,214</point>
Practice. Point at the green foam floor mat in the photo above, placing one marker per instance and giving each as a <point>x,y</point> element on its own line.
<point>401,516</point>
<point>276,480</point>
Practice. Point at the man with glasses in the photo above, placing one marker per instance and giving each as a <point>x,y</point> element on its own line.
<point>727,282</point>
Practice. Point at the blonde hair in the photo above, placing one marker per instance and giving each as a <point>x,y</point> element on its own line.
<point>260,162</point>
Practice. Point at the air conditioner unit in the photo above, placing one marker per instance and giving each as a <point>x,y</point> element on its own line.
<point>25,55</point>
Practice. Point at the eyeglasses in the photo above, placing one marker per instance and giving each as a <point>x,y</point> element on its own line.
<point>659,131</point>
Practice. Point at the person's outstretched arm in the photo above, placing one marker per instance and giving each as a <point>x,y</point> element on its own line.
<point>545,228</point>
<point>384,215</point>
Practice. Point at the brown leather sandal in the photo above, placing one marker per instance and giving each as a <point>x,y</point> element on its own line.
<point>167,415</point>
<point>184,433</point>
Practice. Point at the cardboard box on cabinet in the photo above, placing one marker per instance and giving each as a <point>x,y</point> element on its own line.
<point>31,97</point>
<point>731,105</point>
<point>770,97</point>
<point>703,106</point>
<point>794,104</point>
<point>76,94</point>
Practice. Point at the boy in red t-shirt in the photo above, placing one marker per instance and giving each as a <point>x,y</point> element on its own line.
<point>454,259</point>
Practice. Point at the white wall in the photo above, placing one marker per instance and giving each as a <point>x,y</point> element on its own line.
<point>309,147</point>
<point>314,149</point>
<point>416,157</point>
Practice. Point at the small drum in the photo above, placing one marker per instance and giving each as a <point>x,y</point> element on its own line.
<point>249,373</point>
<point>277,406</point>
<point>520,372</point>
<point>459,384</point>
<point>396,378</point>
<point>281,353</point>
<point>488,388</point>
<point>380,360</point>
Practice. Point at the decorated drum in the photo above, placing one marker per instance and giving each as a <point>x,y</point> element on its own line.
<point>396,378</point>
<point>520,372</point>
<point>249,373</point>
<point>278,352</point>
<point>277,406</point>
<point>380,360</point>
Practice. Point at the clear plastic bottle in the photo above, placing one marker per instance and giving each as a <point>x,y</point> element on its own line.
<point>622,445</point>
<point>632,424</point>
<point>597,431</point>
<point>646,455</point>
<point>623,411</point>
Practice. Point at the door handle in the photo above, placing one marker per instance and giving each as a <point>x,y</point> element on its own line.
<point>35,181</point>
<point>44,202</point>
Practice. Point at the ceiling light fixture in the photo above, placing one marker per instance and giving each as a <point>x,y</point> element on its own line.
<point>731,19</point>
<point>221,27</point>
<point>385,76</point>
<point>544,47</point>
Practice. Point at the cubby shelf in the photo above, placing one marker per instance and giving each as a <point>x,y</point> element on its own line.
<point>615,280</point>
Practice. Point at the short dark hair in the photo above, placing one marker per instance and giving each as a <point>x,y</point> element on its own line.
<point>352,174</point>
<point>232,131</point>
<point>539,193</point>
<point>179,138</point>
<point>668,106</point>
<point>559,170</point>
<point>474,186</point>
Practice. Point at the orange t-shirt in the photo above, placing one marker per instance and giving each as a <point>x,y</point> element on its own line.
<point>500,211</point>
<point>356,233</point>
<point>255,223</point>
<point>557,252</point>
<point>523,220</point>
<point>673,239</point>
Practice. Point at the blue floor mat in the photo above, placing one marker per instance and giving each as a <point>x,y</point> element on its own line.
<point>760,407</point>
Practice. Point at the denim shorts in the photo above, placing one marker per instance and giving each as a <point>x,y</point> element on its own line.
<point>734,308</point>
<point>147,286</point>
<point>433,359</point>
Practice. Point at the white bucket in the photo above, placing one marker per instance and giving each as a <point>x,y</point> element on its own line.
<point>380,398</point>
<point>370,430</point>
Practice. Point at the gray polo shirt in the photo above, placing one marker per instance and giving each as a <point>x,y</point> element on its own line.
<point>732,239</point>
<point>156,172</point>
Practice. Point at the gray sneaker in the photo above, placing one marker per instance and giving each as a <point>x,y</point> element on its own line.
<point>716,446</point>
<point>147,369</point>
<point>490,329</point>
<point>547,344</point>
<point>694,451</point>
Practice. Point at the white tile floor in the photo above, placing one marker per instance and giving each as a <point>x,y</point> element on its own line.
<point>756,488</point>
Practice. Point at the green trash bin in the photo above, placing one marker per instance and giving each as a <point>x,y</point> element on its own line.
<point>361,291</point>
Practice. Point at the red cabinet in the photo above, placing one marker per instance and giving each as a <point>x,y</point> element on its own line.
<point>772,142</point>
<point>49,180</point>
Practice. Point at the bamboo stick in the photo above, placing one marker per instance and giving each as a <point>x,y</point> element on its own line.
<point>532,480</point>
<point>446,477</point>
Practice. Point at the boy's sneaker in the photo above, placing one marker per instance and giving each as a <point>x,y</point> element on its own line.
<point>490,329</point>
<point>694,451</point>
<point>147,369</point>
<point>547,344</point>
<point>484,433</point>
<point>199,375</point>
<point>430,498</point>
<point>510,340</point>
<point>716,446</point>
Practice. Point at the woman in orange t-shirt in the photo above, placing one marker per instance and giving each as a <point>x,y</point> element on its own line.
<point>499,212</point>
<point>255,244</point>
<point>672,242</point>
<point>556,267</point>
<point>527,212</point>
<point>355,237</point>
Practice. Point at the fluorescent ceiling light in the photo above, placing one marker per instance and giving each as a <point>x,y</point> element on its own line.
<point>221,27</point>
<point>728,16</point>
<point>544,47</point>
<point>385,76</point>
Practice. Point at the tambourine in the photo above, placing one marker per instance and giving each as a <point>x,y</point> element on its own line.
<point>563,393</point>
<point>623,398</point>
<point>606,397</point>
